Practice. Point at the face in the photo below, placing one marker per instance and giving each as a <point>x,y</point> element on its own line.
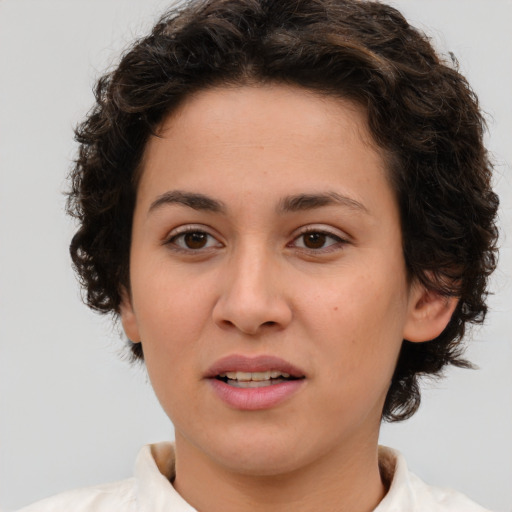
<point>266,238</point>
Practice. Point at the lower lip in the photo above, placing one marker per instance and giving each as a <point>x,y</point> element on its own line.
<point>253,399</point>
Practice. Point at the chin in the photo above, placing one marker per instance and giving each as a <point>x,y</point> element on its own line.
<point>255,454</point>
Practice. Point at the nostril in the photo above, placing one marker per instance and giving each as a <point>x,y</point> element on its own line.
<point>269,324</point>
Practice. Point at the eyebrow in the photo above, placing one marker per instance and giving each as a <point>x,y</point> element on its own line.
<point>302,202</point>
<point>295,203</point>
<point>190,199</point>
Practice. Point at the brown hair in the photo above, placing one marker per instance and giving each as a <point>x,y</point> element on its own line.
<point>421,111</point>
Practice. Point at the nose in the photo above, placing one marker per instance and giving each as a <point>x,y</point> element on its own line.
<point>252,299</point>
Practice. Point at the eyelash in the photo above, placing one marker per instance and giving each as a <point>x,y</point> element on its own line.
<point>337,244</point>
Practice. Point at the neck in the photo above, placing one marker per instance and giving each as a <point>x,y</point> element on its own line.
<point>340,481</point>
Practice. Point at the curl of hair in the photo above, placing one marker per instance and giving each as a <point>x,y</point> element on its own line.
<point>421,112</point>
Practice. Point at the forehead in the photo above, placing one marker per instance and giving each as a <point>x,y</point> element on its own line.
<point>289,110</point>
<point>272,135</point>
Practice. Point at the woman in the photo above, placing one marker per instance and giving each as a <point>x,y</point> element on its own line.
<point>288,205</point>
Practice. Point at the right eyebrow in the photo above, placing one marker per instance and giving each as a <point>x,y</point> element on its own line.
<point>190,199</point>
<point>302,202</point>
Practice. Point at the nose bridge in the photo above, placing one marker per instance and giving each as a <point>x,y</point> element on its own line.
<point>252,296</point>
<point>252,266</point>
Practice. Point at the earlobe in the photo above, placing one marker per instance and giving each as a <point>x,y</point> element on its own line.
<point>128,318</point>
<point>429,313</point>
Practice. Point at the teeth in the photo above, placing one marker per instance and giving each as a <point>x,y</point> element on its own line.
<point>275,375</point>
<point>255,376</point>
<point>254,383</point>
<point>246,376</point>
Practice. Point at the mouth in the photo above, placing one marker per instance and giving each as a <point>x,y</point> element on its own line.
<point>254,383</point>
<point>239,379</point>
<point>238,369</point>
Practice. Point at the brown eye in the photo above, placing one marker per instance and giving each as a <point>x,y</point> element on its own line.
<point>318,241</point>
<point>195,240</point>
<point>314,240</point>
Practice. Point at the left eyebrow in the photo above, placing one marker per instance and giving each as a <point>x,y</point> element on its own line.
<point>301,202</point>
<point>190,199</point>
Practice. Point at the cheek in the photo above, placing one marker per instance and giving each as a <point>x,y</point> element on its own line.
<point>170,305</point>
<point>358,322</point>
<point>356,334</point>
<point>172,313</point>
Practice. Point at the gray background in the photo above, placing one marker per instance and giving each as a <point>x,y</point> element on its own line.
<point>72,413</point>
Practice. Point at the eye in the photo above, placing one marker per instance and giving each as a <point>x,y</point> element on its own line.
<point>193,240</point>
<point>316,240</point>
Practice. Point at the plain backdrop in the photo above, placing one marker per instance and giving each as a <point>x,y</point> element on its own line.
<point>72,412</point>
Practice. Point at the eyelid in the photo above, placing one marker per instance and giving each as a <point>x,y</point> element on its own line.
<point>322,228</point>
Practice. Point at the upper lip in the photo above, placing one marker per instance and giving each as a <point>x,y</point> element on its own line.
<point>237,362</point>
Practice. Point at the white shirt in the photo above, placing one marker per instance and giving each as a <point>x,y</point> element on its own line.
<point>150,490</point>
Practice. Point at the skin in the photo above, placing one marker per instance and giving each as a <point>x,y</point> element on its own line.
<point>336,304</point>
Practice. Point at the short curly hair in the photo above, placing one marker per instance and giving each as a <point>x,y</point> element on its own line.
<point>420,110</point>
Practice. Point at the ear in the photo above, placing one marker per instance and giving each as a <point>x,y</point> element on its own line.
<point>428,315</point>
<point>128,318</point>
